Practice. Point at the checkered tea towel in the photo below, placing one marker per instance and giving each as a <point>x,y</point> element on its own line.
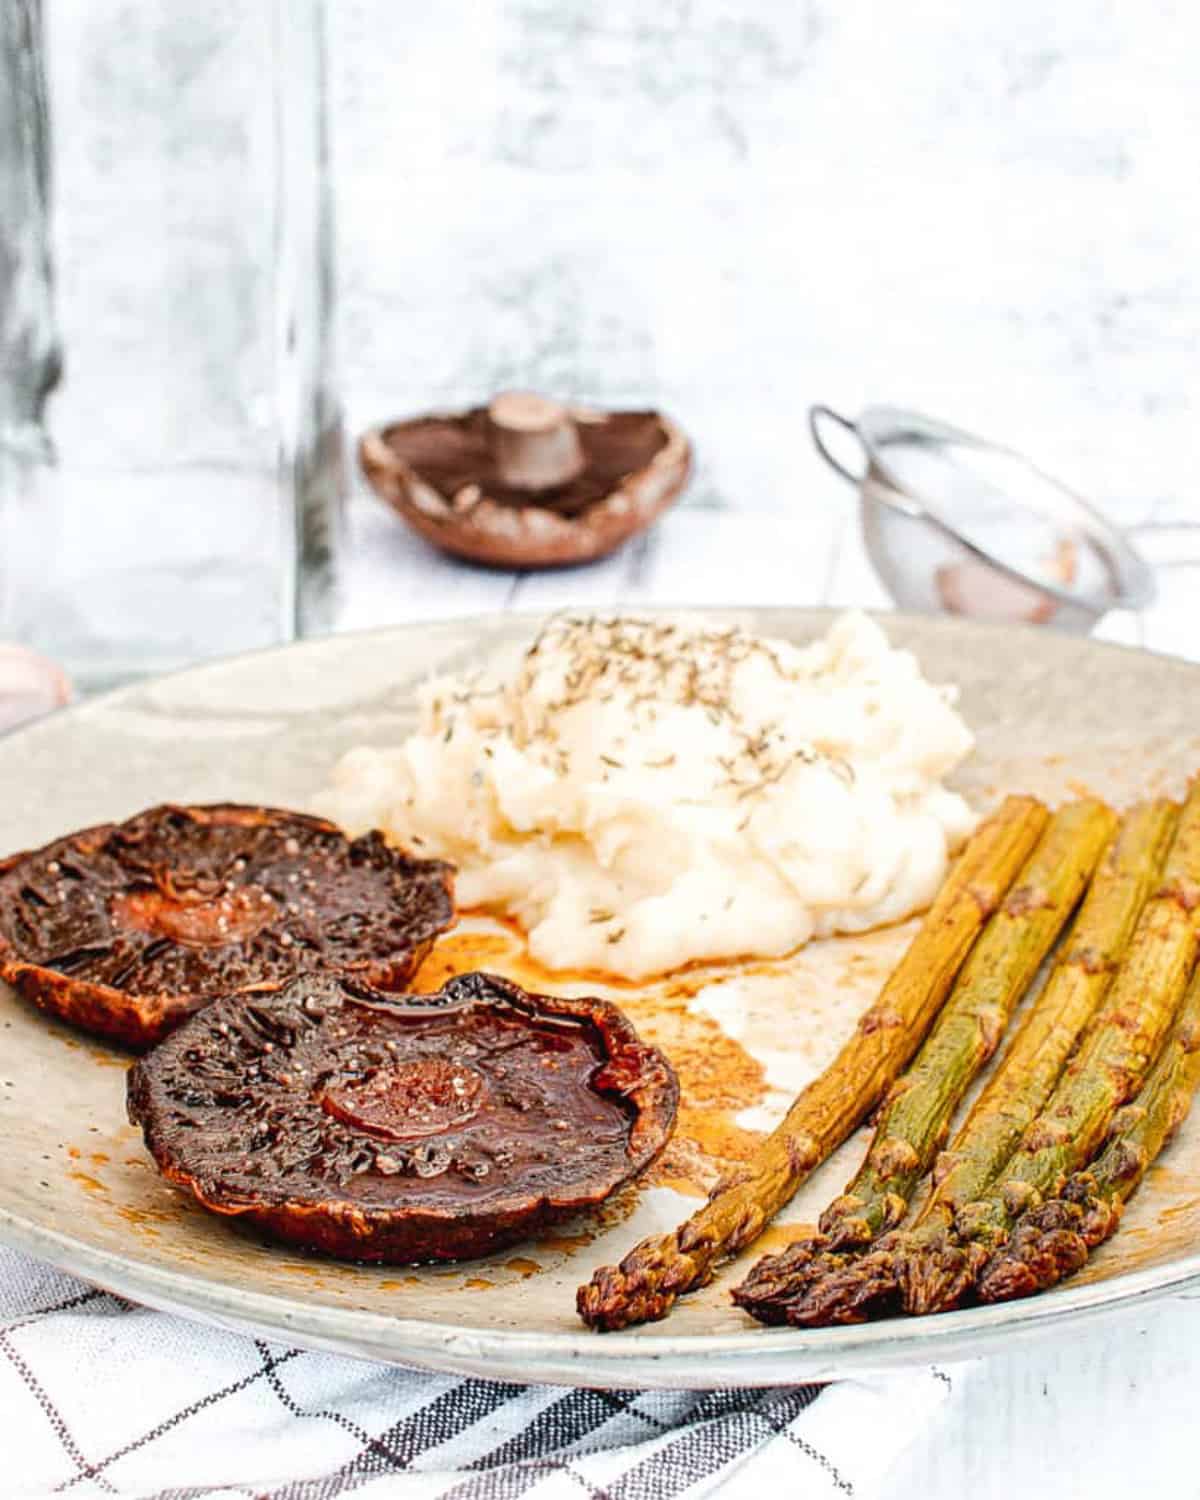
<point>99,1397</point>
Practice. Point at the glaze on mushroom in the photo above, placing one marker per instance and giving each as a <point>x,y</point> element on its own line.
<point>403,1128</point>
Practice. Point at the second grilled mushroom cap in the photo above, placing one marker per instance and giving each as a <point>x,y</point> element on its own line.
<point>403,1128</point>
<point>526,482</point>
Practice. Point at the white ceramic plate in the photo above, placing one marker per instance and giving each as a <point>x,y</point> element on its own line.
<point>1053,715</point>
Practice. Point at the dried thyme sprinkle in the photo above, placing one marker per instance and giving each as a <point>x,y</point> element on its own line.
<point>648,665</point>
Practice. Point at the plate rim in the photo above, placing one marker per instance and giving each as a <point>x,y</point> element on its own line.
<point>646,1358</point>
<point>746,1358</point>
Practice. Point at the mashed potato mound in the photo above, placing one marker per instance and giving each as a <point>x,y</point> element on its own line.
<point>640,793</point>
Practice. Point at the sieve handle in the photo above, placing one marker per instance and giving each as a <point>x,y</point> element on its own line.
<point>819,414</point>
<point>1169,544</point>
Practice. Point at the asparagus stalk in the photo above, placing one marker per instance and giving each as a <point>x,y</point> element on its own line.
<point>916,1115</point>
<point>999,971</point>
<point>1082,975</point>
<point>1106,1071</point>
<point>857,1287</point>
<point>1055,1239</point>
<point>661,1268</point>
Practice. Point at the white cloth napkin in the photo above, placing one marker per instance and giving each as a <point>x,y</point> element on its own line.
<point>99,1397</point>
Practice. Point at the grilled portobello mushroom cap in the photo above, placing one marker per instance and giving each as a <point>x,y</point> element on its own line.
<point>403,1128</point>
<point>126,929</point>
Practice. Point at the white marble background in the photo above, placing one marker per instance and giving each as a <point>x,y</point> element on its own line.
<point>731,208</point>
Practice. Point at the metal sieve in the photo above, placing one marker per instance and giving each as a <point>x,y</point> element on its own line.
<point>955,524</point>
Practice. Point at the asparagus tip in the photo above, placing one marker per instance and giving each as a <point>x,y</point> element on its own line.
<point>774,1280</point>
<point>642,1289</point>
<point>1050,1242</point>
<point>860,1288</point>
<point>937,1276</point>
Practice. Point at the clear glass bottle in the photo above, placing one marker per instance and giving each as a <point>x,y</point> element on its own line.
<point>170,445</point>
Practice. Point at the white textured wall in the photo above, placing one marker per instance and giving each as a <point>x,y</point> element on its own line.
<point>989,210</point>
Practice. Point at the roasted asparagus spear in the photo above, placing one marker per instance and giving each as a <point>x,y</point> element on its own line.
<point>1055,1239</point>
<point>663,1267</point>
<point>851,1288</point>
<point>915,1118</point>
<point>1107,1070</point>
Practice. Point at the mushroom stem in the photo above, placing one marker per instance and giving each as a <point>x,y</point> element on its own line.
<point>534,441</point>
